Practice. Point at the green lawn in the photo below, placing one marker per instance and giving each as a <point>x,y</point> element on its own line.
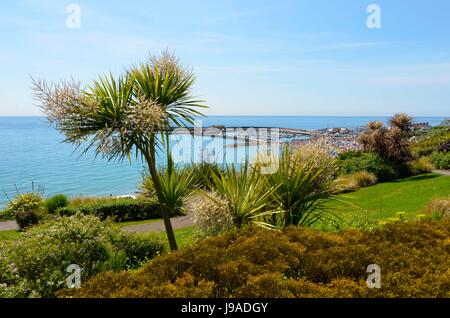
<point>9,235</point>
<point>184,236</point>
<point>384,200</point>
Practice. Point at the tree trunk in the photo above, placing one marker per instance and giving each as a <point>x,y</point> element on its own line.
<point>150,156</point>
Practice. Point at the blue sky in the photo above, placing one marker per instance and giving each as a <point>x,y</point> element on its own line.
<point>251,57</point>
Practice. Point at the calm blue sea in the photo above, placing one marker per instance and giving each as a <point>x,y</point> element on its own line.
<point>31,153</point>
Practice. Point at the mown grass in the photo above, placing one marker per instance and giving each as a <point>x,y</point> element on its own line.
<point>9,235</point>
<point>385,200</point>
<point>184,236</point>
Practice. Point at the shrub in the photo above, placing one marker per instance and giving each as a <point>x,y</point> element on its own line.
<point>355,161</point>
<point>211,215</point>
<point>364,178</point>
<point>438,208</point>
<point>138,247</point>
<point>82,200</point>
<point>120,210</point>
<point>298,262</point>
<point>303,184</point>
<point>26,219</point>
<point>176,184</point>
<point>24,202</point>
<point>247,194</point>
<point>434,140</point>
<point>203,172</point>
<point>444,146</point>
<point>421,165</point>
<point>441,160</point>
<point>41,255</point>
<point>355,181</point>
<point>55,202</point>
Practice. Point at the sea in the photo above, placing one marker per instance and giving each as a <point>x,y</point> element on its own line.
<point>34,158</point>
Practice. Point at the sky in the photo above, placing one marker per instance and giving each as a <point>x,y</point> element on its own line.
<point>250,57</point>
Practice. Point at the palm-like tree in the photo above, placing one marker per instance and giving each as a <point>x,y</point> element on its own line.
<point>391,143</point>
<point>403,122</point>
<point>247,194</point>
<point>118,116</point>
<point>304,186</point>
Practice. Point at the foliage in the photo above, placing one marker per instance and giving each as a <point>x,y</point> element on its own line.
<point>247,194</point>
<point>203,173</point>
<point>212,216</point>
<point>298,262</point>
<point>120,210</point>
<point>118,116</point>
<point>139,248</point>
<point>9,235</point>
<point>84,200</point>
<point>176,184</point>
<point>303,183</point>
<point>355,181</point>
<point>434,140</point>
<point>55,202</point>
<point>444,146</point>
<point>24,202</point>
<point>390,143</point>
<point>439,209</point>
<point>355,161</point>
<point>441,160</point>
<point>376,203</point>
<point>39,258</point>
<point>421,165</point>
<point>29,218</point>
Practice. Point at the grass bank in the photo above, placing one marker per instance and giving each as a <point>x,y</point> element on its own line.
<point>385,200</point>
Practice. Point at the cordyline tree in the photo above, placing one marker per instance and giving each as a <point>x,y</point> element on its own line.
<point>124,115</point>
<point>391,142</point>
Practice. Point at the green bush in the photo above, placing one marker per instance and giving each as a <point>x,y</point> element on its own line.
<point>24,202</point>
<point>355,161</point>
<point>28,218</point>
<point>434,140</point>
<point>441,160</point>
<point>121,210</point>
<point>414,258</point>
<point>438,209</point>
<point>39,258</point>
<point>55,202</point>
<point>303,185</point>
<point>176,184</point>
<point>138,247</point>
<point>421,165</point>
<point>355,181</point>
<point>203,172</point>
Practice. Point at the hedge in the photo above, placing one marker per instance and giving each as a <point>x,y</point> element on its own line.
<point>121,210</point>
<point>414,258</point>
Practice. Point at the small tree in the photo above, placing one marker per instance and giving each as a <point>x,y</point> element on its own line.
<point>391,143</point>
<point>118,116</point>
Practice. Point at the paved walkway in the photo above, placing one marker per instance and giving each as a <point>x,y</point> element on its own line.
<point>8,226</point>
<point>443,172</point>
<point>177,223</point>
